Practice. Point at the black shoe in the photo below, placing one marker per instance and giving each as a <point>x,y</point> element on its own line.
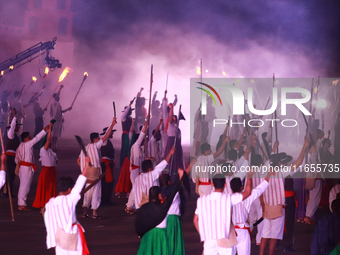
<point>289,249</point>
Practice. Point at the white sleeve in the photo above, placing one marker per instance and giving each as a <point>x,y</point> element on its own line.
<point>99,144</point>
<point>158,169</point>
<point>37,138</point>
<point>258,191</point>
<point>75,192</point>
<point>236,198</point>
<point>124,115</point>
<point>10,132</point>
<point>2,178</point>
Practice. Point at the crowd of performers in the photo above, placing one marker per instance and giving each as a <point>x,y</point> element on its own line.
<point>154,179</point>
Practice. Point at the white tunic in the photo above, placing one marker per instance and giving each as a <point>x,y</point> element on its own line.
<point>56,113</point>
<point>93,151</point>
<point>61,211</point>
<point>155,149</point>
<point>48,157</point>
<point>214,214</point>
<point>144,182</point>
<point>241,211</point>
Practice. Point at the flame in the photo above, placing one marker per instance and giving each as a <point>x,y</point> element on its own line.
<point>86,74</point>
<point>315,90</point>
<point>335,82</point>
<point>252,81</point>
<point>11,67</point>
<point>223,72</point>
<point>34,79</point>
<point>64,73</point>
<point>198,70</point>
<point>2,73</point>
<point>46,70</point>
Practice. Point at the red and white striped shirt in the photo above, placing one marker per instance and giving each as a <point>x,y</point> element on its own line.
<point>200,168</point>
<point>93,151</point>
<point>241,210</point>
<point>144,182</point>
<point>214,214</point>
<point>61,211</point>
<point>332,195</point>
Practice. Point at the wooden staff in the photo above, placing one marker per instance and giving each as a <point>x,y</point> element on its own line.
<point>276,134</point>
<point>149,111</point>
<point>85,76</point>
<point>8,186</point>
<point>93,183</point>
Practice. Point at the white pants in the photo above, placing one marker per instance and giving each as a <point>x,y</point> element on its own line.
<point>273,229</point>
<point>244,242</point>
<point>211,248</point>
<point>93,196</point>
<point>79,251</point>
<point>314,198</point>
<point>255,214</point>
<point>26,177</point>
<point>133,174</point>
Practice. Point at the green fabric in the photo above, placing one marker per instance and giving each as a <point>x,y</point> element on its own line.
<point>175,235</point>
<point>154,242</point>
<point>336,250</point>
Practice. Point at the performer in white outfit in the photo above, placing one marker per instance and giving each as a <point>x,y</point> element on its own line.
<point>24,157</point>
<point>3,171</point>
<point>155,145</point>
<point>63,230</point>
<point>17,105</point>
<point>93,196</point>
<point>241,211</point>
<point>144,181</point>
<point>137,154</point>
<point>213,216</point>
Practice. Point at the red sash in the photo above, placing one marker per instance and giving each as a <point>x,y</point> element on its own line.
<point>83,240</point>
<point>24,163</point>
<point>10,153</point>
<point>133,167</point>
<point>291,194</point>
<point>244,227</point>
<point>108,175</point>
<point>125,132</point>
<point>205,183</point>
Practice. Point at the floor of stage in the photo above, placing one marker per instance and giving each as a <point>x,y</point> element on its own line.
<point>114,234</point>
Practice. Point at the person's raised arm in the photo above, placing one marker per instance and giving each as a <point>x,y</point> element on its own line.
<point>172,151</point>
<point>157,128</point>
<point>40,135</point>
<point>299,160</point>
<point>11,131</point>
<point>193,162</point>
<point>221,149</point>
<point>146,124</point>
<point>108,132</point>
<point>240,140</point>
<point>247,190</point>
<point>175,100</point>
<point>48,140</point>
<point>154,98</point>
<point>140,92</point>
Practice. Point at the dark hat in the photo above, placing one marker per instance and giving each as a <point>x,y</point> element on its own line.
<point>127,107</point>
<point>106,128</point>
<point>275,159</point>
<point>286,158</point>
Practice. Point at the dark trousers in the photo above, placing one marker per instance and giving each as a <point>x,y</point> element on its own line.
<point>288,238</point>
<point>107,187</point>
<point>10,171</point>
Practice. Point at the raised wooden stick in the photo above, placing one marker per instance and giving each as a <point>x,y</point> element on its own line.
<point>8,186</point>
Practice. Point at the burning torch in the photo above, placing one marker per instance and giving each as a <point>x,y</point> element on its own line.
<point>85,76</point>
<point>61,78</point>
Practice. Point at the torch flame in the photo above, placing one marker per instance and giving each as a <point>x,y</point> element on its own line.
<point>46,70</point>
<point>335,82</point>
<point>64,73</point>
<point>11,67</point>
<point>86,74</point>
<point>198,70</point>
<point>34,79</point>
<point>223,72</point>
<point>316,90</point>
<point>2,73</point>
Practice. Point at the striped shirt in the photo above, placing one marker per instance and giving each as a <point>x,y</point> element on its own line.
<point>61,211</point>
<point>214,214</point>
<point>238,174</point>
<point>137,155</point>
<point>145,181</point>
<point>25,150</point>
<point>93,151</point>
<point>332,195</point>
<point>200,168</point>
<point>241,210</point>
